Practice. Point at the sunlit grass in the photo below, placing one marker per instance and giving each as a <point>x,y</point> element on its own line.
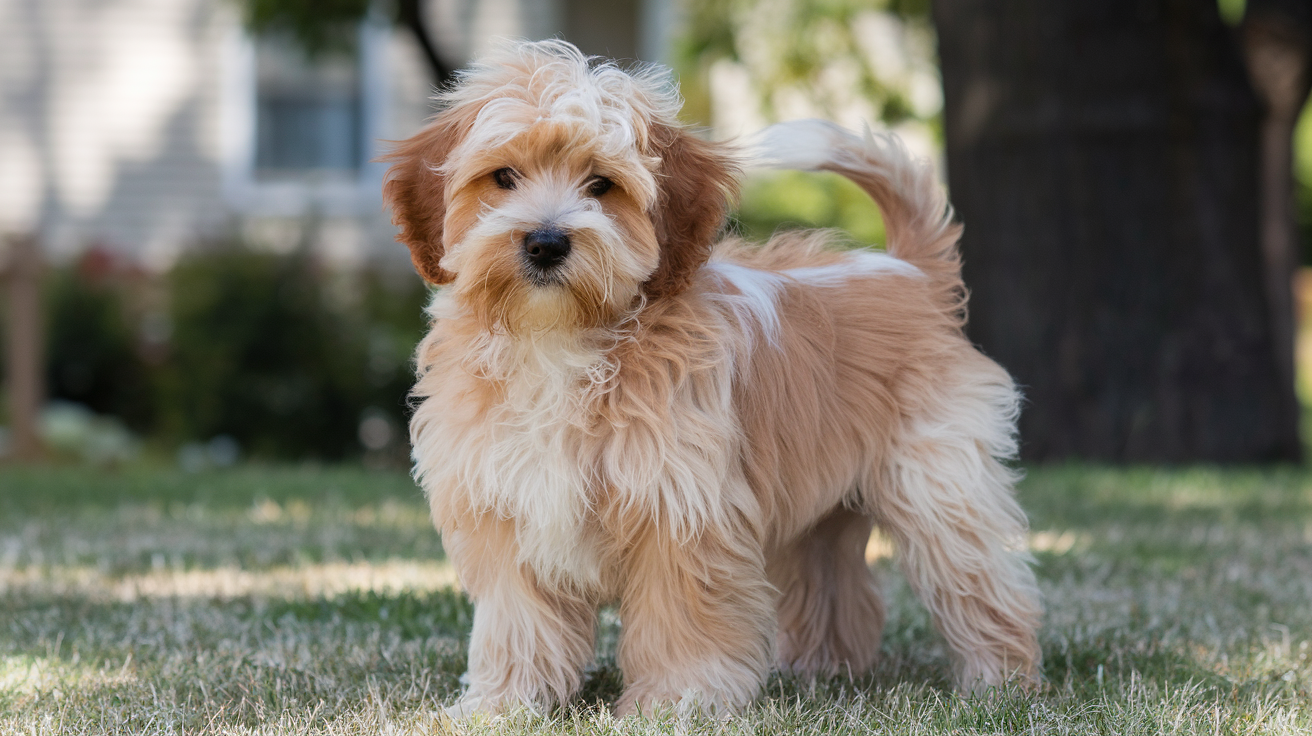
<point>283,600</point>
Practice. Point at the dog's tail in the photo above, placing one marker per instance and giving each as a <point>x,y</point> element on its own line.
<point>917,217</point>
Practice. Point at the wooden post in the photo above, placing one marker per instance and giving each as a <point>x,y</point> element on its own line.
<point>23,349</point>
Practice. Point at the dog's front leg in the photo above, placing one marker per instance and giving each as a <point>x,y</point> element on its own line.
<point>530,641</point>
<point>698,620</point>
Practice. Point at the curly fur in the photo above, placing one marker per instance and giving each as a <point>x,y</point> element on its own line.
<point>704,432</point>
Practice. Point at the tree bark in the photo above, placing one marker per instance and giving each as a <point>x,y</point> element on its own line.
<point>23,348</point>
<point>410,13</point>
<point>1278,49</point>
<point>1104,157</point>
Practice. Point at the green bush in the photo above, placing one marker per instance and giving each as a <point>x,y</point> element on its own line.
<point>91,344</point>
<point>798,199</point>
<point>276,352</point>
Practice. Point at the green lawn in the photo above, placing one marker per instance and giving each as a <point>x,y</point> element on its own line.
<point>289,600</point>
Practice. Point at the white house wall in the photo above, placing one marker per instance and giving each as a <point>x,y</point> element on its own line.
<point>108,129</point>
<point>115,131</point>
<point>122,123</point>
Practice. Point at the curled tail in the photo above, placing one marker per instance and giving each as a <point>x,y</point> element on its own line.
<point>917,216</point>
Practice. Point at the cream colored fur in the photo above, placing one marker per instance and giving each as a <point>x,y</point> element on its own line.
<point>706,438</point>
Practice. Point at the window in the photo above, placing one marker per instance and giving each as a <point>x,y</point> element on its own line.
<point>309,112</point>
<point>299,133</point>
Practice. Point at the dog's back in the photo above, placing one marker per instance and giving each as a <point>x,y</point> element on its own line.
<point>864,402</point>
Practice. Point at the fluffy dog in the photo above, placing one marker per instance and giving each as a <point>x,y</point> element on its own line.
<point>614,406</point>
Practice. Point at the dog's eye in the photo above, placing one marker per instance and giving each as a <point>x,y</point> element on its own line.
<point>599,186</point>
<point>505,178</point>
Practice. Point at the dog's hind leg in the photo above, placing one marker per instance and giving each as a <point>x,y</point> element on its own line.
<point>947,501</point>
<point>831,615</point>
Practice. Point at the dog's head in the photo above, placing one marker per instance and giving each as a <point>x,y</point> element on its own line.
<point>552,191</point>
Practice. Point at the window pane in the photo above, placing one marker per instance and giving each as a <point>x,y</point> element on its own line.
<point>309,115</point>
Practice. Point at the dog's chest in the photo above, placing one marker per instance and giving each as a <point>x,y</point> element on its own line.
<point>523,459</point>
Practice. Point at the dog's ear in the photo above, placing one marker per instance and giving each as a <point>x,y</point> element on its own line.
<point>415,189</point>
<point>697,179</point>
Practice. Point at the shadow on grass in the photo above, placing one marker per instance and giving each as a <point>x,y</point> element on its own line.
<point>45,489</point>
<point>445,612</point>
<point>1077,496</point>
<point>37,620</point>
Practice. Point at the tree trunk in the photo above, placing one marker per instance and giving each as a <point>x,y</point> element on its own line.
<point>410,13</point>
<point>1104,157</point>
<point>1278,50</point>
<point>23,349</point>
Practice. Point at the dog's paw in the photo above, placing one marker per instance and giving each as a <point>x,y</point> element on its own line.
<point>477,707</point>
<point>465,708</point>
<point>680,706</point>
<point>439,724</point>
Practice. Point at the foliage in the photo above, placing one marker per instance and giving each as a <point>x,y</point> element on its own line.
<point>829,55</point>
<point>855,61</point>
<point>319,26</point>
<point>798,199</point>
<point>317,600</point>
<point>1303,182</point>
<point>261,352</point>
<point>91,344</point>
<point>274,351</point>
<point>328,26</point>
<point>1232,11</point>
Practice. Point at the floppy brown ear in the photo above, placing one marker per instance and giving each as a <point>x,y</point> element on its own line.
<point>697,179</point>
<point>416,192</point>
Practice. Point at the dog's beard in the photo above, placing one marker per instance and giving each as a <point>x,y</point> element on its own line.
<point>597,285</point>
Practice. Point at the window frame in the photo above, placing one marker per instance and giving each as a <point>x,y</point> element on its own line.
<point>248,194</point>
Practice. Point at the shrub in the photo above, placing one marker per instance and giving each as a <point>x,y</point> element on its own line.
<point>92,356</point>
<point>286,357</point>
<point>799,199</point>
<point>283,356</point>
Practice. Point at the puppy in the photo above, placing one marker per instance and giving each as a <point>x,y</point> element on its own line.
<point>614,406</point>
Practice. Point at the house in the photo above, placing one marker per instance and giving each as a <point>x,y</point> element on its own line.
<point>146,127</point>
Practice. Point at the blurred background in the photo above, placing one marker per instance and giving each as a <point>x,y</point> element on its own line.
<point>198,270</point>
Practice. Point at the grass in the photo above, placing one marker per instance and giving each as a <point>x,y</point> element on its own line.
<point>304,600</point>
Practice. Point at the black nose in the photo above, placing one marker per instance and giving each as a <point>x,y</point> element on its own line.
<point>546,247</point>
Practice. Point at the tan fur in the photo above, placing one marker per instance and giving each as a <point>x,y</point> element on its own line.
<point>705,434</point>
<point>697,180</point>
